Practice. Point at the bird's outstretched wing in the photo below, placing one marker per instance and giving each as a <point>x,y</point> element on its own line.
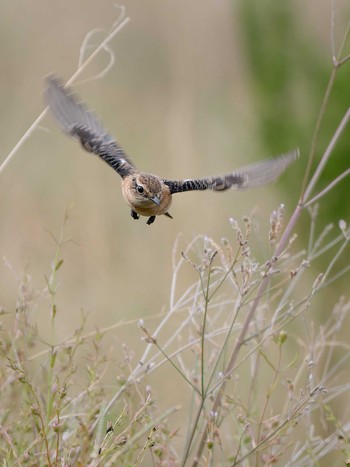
<point>254,175</point>
<point>81,123</point>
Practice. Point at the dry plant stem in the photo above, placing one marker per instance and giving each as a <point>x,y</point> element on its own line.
<point>283,242</point>
<point>317,129</point>
<point>104,446</point>
<point>341,273</point>
<point>57,442</point>
<point>267,399</point>
<point>168,358</point>
<point>316,254</point>
<point>133,440</point>
<point>209,389</point>
<point>343,60</point>
<point>229,270</point>
<point>337,63</point>
<point>141,366</point>
<point>71,341</point>
<point>206,298</point>
<point>172,302</point>
<point>43,431</point>
<point>8,439</point>
<point>271,436</point>
<point>326,155</point>
<point>328,188</point>
<point>52,288</point>
<point>335,259</point>
<point>296,410</point>
<point>103,45</point>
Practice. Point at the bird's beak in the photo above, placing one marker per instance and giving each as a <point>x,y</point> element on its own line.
<point>156,200</point>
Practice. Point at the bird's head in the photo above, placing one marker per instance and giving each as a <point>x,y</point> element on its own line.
<point>147,188</point>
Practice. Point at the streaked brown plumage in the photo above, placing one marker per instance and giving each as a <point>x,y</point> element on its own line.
<point>147,194</point>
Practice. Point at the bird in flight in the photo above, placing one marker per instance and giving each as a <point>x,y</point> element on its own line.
<point>146,194</point>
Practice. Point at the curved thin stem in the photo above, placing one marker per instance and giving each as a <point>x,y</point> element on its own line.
<point>337,63</point>
<point>328,188</point>
<point>327,153</point>
<point>317,130</point>
<point>91,57</point>
<point>281,246</point>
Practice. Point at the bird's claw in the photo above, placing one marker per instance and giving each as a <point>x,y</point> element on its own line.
<point>134,215</point>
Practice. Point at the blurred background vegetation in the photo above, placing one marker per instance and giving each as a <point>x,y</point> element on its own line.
<point>197,88</point>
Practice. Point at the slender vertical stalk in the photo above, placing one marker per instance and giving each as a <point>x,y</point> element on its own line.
<point>206,299</point>
<point>337,63</point>
<point>281,246</point>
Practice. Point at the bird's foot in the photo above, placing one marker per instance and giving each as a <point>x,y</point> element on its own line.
<point>134,215</point>
<point>151,220</point>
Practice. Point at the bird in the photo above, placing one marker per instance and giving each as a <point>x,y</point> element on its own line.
<point>147,194</point>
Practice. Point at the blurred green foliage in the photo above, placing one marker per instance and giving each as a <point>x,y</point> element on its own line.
<point>289,71</point>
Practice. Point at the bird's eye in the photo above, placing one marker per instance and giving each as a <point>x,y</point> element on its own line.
<point>139,189</point>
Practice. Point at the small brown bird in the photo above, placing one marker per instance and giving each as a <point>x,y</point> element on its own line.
<point>147,194</point>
